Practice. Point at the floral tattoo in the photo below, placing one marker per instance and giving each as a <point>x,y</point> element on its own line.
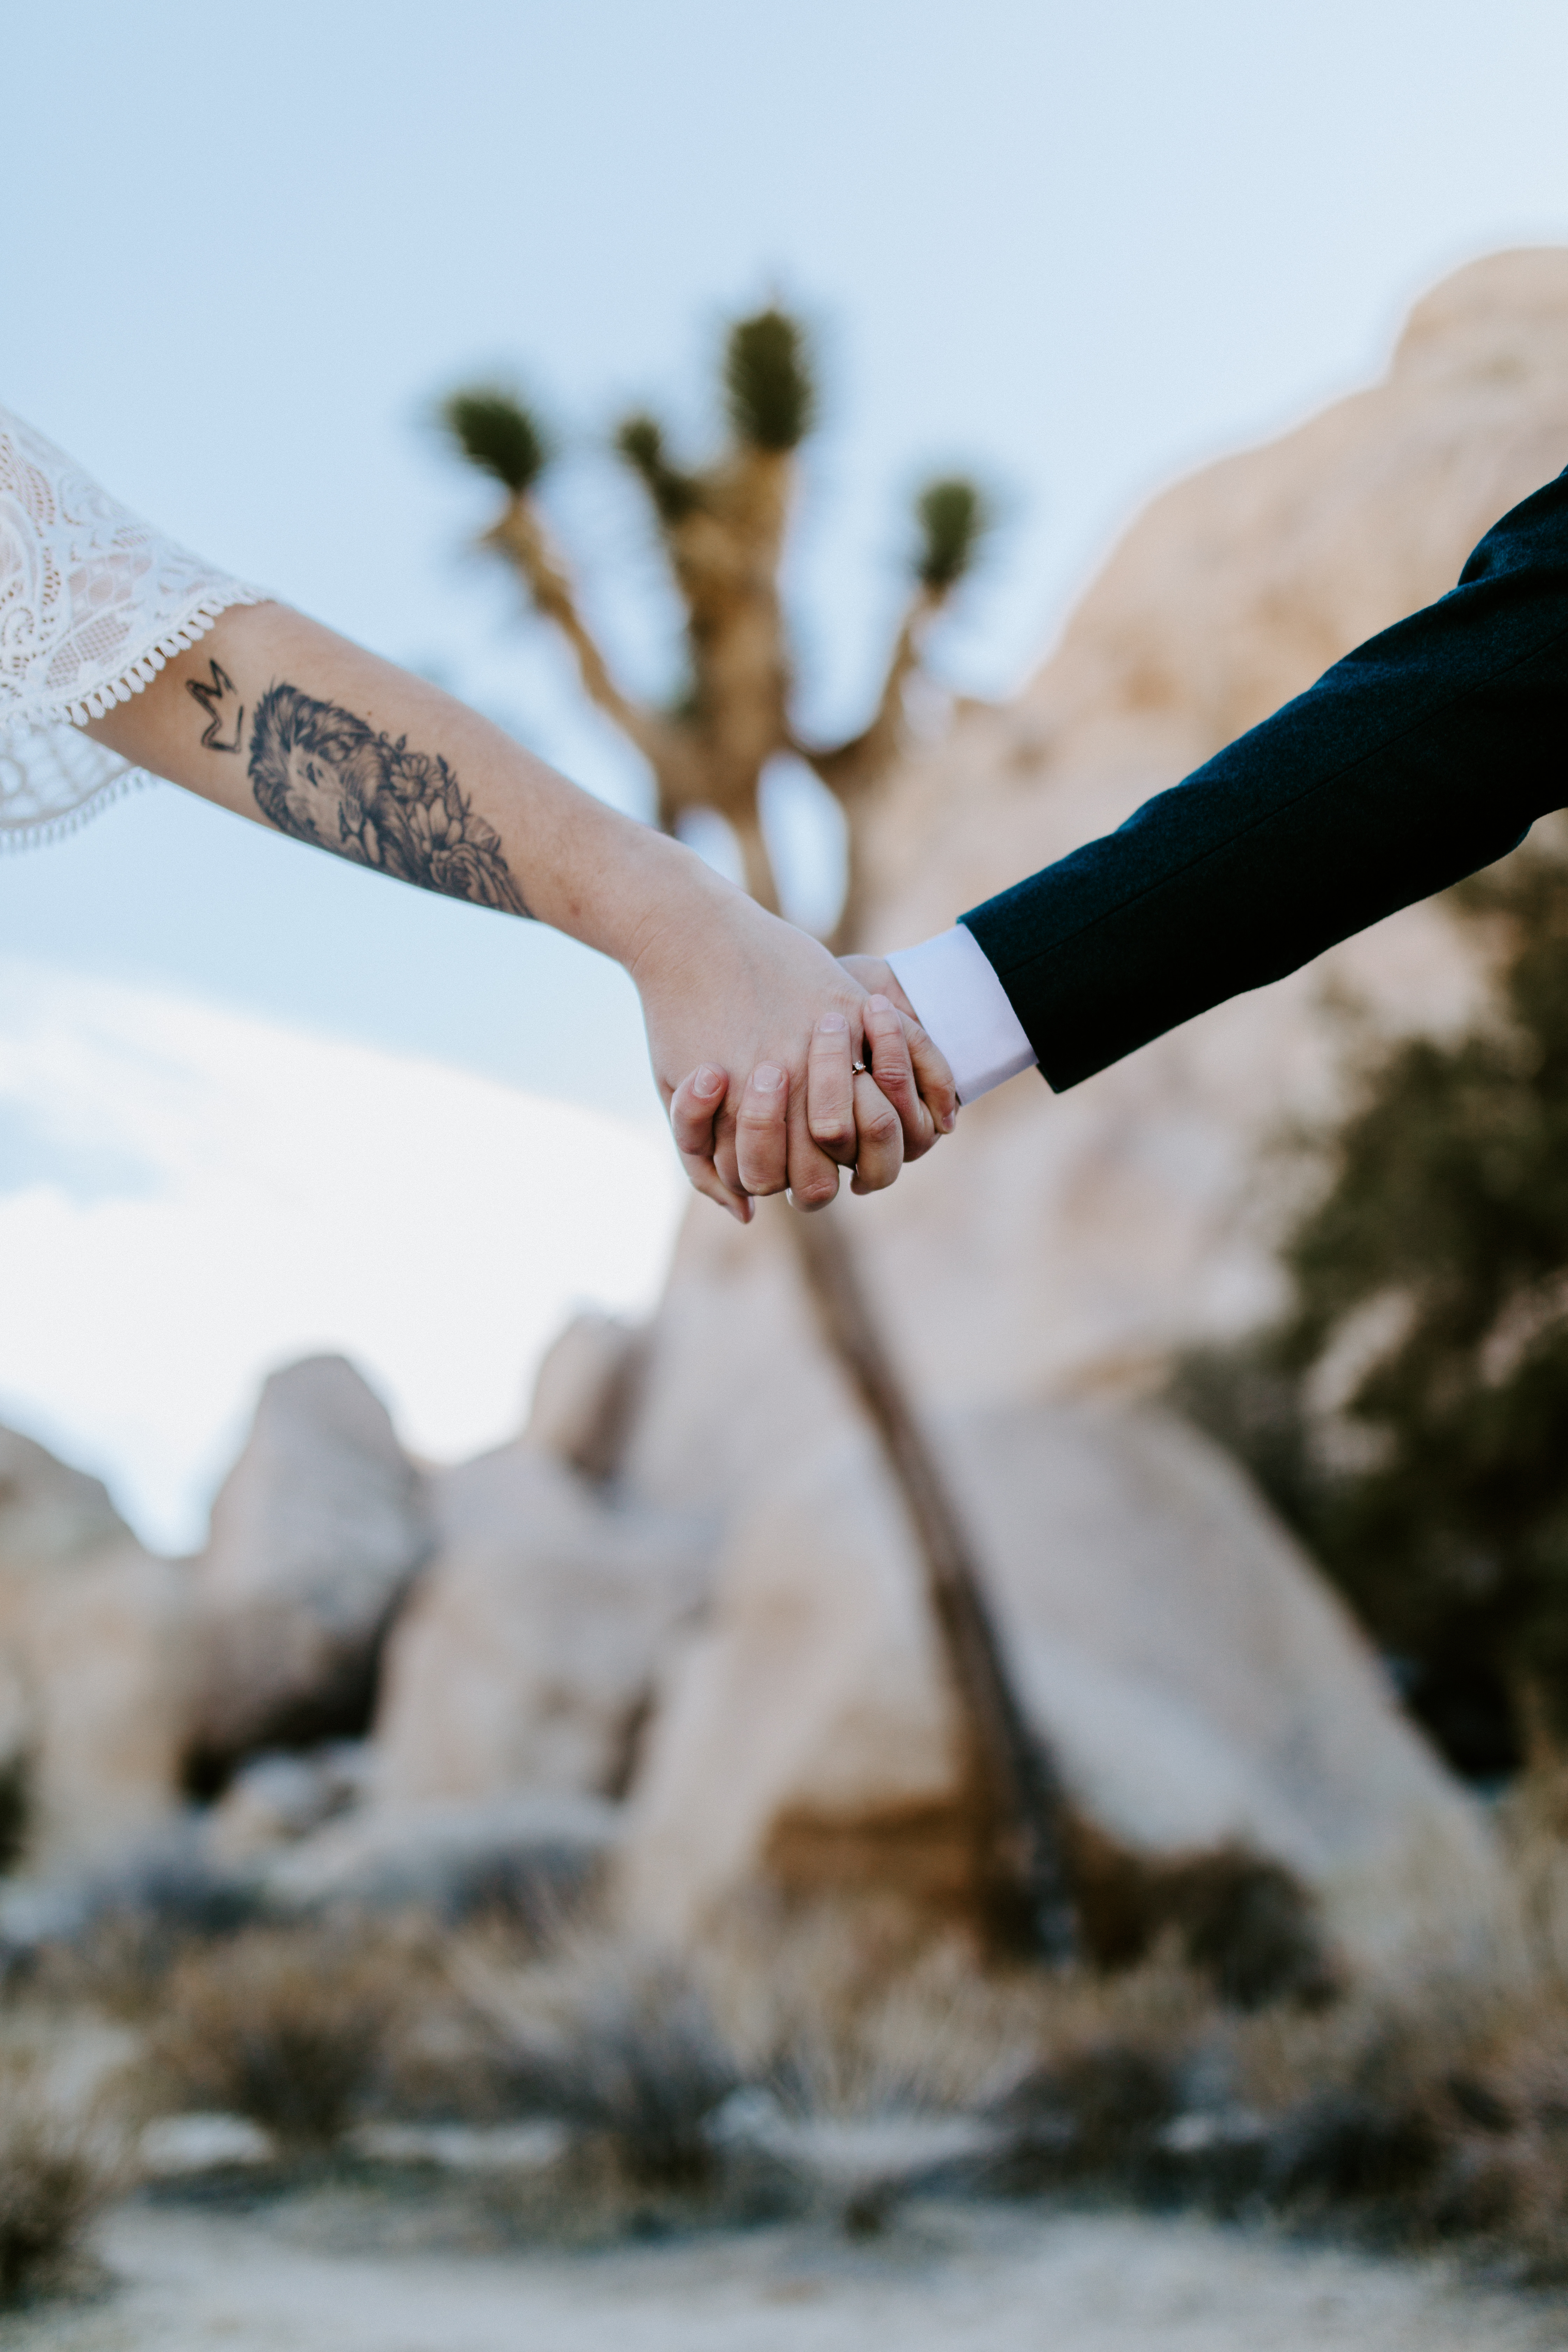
<point>324,776</point>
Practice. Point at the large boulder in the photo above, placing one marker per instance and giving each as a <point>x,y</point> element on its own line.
<point>587,1393</point>
<point>1064,1249</point>
<point>1198,1685</point>
<point>526,1658</point>
<point>1056,1243</point>
<point>95,1666</point>
<point>317,1534</point>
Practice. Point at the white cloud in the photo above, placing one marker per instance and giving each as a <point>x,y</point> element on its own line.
<point>190,1196</point>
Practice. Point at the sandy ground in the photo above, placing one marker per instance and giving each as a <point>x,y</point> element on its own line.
<point>997,2280</point>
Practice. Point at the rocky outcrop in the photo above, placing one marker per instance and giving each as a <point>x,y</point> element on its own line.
<point>95,1666</point>
<point>586,1394</point>
<point>1198,1687</point>
<point>1060,1249</point>
<point>527,1657</point>
<point>317,1534</point>
<point>1061,1243</point>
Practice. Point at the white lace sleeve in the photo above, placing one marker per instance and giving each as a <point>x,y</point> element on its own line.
<point>92,603</point>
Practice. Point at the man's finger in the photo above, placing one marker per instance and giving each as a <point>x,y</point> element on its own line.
<point>830,1090</point>
<point>881,1134</point>
<point>932,1077</point>
<point>813,1176</point>
<point>888,1058</point>
<point>761,1144</point>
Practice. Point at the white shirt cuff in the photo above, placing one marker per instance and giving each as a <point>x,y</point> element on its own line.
<point>960,1001</point>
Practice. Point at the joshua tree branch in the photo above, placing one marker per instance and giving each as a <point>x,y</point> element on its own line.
<point>852,767</point>
<point>520,536</point>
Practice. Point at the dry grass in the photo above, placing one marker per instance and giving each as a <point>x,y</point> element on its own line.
<point>290,2028</point>
<point>58,2167</point>
<point>851,2010</point>
<point>1440,2113</point>
<point>1437,2112</point>
<point>138,1925</point>
<point>620,2042</point>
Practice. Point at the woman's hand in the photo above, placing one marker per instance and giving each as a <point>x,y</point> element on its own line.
<point>776,1103</point>
<point>273,717</point>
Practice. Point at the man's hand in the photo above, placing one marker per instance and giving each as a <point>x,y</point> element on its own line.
<point>876,977</point>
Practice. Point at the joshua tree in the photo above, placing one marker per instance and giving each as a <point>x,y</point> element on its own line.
<point>722,527</point>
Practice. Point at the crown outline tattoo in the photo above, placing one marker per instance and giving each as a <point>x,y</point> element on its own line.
<point>213,699</point>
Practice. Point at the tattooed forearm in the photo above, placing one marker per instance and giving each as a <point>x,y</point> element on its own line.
<point>223,707</point>
<point>324,776</point>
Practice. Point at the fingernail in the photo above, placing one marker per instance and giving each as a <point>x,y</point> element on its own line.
<point>949,1120</point>
<point>832,1024</point>
<point>880,1004</point>
<point>707,1080</point>
<point>767,1077</point>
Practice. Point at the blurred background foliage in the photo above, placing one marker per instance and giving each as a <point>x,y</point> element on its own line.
<point>1409,1416</point>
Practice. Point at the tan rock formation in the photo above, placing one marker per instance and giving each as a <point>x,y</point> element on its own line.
<point>94,1664</point>
<point>526,1658</point>
<point>1059,1241</point>
<point>1061,1247</point>
<point>317,1533</point>
<point>1198,1684</point>
<point>587,1393</point>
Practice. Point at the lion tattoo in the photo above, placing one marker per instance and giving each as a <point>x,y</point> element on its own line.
<point>324,776</point>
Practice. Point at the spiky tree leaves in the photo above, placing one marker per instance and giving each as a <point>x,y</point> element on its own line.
<point>769,391</point>
<point>722,528</point>
<point>674,494</point>
<point>496,433</point>
<point>953,519</point>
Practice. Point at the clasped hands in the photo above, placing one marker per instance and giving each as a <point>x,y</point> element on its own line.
<point>755,1032</point>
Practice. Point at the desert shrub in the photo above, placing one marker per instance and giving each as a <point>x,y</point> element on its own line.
<point>132,1925</point>
<point>1439,2114</point>
<point>16,1809</point>
<point>846,2007</point>
<point>1407,1414</point>
<point>1231,1915</point>
<point>614,2039</point>
<point>1092,2113</point>
<point>57,2168</point>
<point>1117,2060</point>
<point>287,2027</point>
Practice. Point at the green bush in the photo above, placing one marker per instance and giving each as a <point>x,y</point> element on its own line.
<point>1434,1265</point>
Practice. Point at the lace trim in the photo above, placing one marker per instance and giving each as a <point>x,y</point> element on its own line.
<point>139,675</point>
<point>93,603</point>
<point>52,764</point>
<point>22,833</point>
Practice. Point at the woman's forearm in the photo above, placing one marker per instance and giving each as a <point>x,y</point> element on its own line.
<point>280,720</point>
<point>284,721</point>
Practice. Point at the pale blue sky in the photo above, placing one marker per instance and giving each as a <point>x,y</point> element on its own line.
<point>1077,249</point>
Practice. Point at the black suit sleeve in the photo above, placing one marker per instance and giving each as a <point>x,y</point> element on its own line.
<point>1427,753</point>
